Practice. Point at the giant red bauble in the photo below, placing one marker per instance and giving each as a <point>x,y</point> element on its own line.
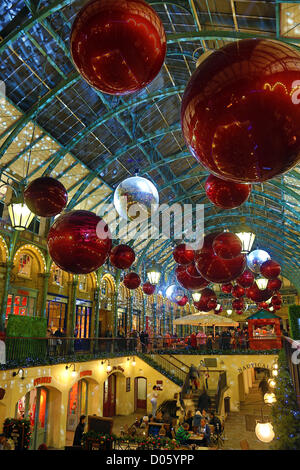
<point>246,279</point>
<point>118,46</point>
<point>238,304</point>
<point>148,288</point>
<point>274,284</point>
<point>122,256</point>
<point>183,254</point>
<point>132,281</point>
<point>208,294</point>
<point>238,292</point>
<point>189,282</point>
<point>212,304</point>
<point>216,269</point>
<point>202,305</point>
<point>240,114</point>
<point>270,269</point>
<point>45,196</point>
<point>276,300</point>
<point>182,301</point>
<point>227,245</point>
<point>258,295</point>
<point>79,242</point>
<point>226,194</point>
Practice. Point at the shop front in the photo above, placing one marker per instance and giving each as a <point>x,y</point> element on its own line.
<point>21,301</point>
<point>34,406</point>
<point>82,324</point>
<point>136,320</point>
<point>264,331</point>
<point>77,403</point>
<point>57,307</point>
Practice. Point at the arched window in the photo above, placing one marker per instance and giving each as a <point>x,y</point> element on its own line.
<point>57,276</point>
<point>82,282</point>
<point>25,264</point>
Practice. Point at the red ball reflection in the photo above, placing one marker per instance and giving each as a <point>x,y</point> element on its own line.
<point>226,194</point>
<point>74,242</point>
<point>258,295</point>
<point>45,196</point>
<point>132,281</point>
<point>122,256</point>
<point>274,284</point>
<point>246,279</point>
<point>118,46</point>
<point>148,288</point>
<point>182,302</point>
<point>239,114</point>
<point>227,245</point>
<point>215,269</point>
<point>270,269</point>
<point>183,255</point>
<point>238,304</point>
<point>227,288</point>
<point>192,283</point>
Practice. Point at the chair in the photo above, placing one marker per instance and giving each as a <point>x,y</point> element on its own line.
<point>244,445</point>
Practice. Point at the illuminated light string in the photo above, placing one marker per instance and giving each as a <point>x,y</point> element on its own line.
<point>35,249</point>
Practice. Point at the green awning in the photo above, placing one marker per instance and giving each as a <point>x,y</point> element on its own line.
<point>261,314</point>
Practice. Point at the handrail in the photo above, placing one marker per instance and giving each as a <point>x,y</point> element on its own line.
<point>163,358</point>
<point>222,385</point>
<point>178,360</point>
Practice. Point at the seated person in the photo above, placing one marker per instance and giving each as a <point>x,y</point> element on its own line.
<point>159,417</point>
<point>182,434</point>
<point>215,422</point>
<point>196,421</point>
<point>205,431</point>
<point>204,414</point>
<point>151,419</point>
<point>189,418</point>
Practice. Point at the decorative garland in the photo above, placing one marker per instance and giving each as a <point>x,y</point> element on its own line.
<point>11,426</point>
<point>294,316</point>
<point>285,412</point>
<point>142,443</point>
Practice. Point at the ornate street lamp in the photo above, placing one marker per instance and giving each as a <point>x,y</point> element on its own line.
<point>154,273</point>
<point>270,398</point>
<point>262,283</point>
<point>196,296</point>
<point>264,432</point>
<point>20,215</point>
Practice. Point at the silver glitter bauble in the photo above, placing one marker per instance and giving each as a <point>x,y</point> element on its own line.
<point>174,293</point>
<point>136,197</point>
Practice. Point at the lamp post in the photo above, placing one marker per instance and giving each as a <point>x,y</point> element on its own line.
<point>20,216</point>
<point>154,273</point>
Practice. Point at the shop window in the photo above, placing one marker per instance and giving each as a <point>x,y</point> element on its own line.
<point>20,305</point>
<point>82,283</point>
<point>57,276</point>
<point>25,265</point>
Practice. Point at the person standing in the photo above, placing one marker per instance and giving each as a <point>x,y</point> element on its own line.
<point>154,400</point>
<point>79,431</point>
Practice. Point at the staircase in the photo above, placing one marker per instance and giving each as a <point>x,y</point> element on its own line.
<point>167,367</point>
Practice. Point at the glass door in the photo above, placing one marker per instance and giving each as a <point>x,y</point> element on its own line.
<point>78,404</point>
<point>109,397</point>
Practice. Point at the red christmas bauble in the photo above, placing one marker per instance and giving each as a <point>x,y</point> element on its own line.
<point>226,194</point>
<point>77,243</point>
<point>183,254</point>
<point>132,281</point>
<point>45,196</point>
<point>263,305</point>
<point>227,288</point>
<point>208,294</point>
<point>239,312</point>
<point>238,115</point>
<point>246,279</point>
<point>277,307</point>
<point>238,304</point>
<point>258,295</point>
<point>212,304</point>
<point>274,284</point>
<point>122,256</point>
<point>215,269</point>
<point>118,46</point>
<point>182,302</point>
<point>227,245</point>
<point>190,282</point>
<point>202,306</point>
<point>219,310</point>
<point>148,288</point>
<point>270,269</point>
<point>276,300</point>
<point>238,292</point>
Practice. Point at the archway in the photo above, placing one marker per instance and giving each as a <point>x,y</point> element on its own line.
<point>110,396</point>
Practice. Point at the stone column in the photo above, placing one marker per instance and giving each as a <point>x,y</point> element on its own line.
<point>9,267</point>
<point>72,311</point>
<point>144,312</point>
<point>163,319</point>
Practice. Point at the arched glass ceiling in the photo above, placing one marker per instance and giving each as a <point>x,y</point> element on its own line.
<point>52,122</point>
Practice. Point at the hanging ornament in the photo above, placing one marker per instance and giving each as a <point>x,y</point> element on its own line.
<point>212,304</point>
<point>238,292</point>
<point>226,194</point>
<point>183,254</point>
<point>136,197</point>
<point>246,279</point>
<point>239,312</point>
<point>274,284</point>
<point>118,46</point>
<point>276,300</point>
<point>77,243</point>
<point>132,281</point>
<point>256,258</point>
<point>148,288</point>
<point>240,127</point>
<point>202,306</point>
<point>258,295</point>
<point>238,304</point>
<point>215,269</point>
<point>183,301</point>
<point>263,305</point>
<point>45,196</point>
<point>122,256</point>
<point>227,288</point>
<point>270,269</point>
<point>190,282</point>
<point>227,245</point>
<point>218,309</point>
<point>174,293</point>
